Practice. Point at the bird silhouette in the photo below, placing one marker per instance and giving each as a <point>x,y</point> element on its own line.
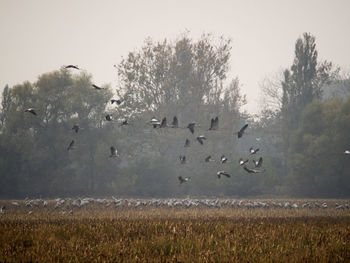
<point>116,101</point>
<point>182,159</point>
<point>208,159</point>
<point>97,87</point>
<point>223,159</point>
<point>175,123</point>
<point>31,110</point>
<point>241,131</point>
<point>163,123</point>
<point>187,143</point>
<point>258,163</point>
<point>253,151</point>
<point>72,66</point>
<point>75,128</point>
<point>109,117</point>
<point>190,126</point>
<point>242,162</point>
<point>124,122</point>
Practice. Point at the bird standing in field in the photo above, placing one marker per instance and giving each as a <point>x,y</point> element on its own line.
<point>31,110</point>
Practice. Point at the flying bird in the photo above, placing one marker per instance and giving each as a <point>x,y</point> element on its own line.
<point>72,66</point>
<point>116,101</point>
<point>190,126</point>
<point>114,152</point>
<point>75,128</point>
<point>182,159</point>
<point>184,179</point>
<point>223,159</point>
<point>253,171</point>
<point>219,173</point>
<point>208,159</point>
<point>253,151</point>
<point>97,87</point>
<point>175,123</point>
<point>187,143</point>
<point>214,124</point>
<point>71,145</point>
<point>241,131</point>
<point>31,110</point>
<point>242,162</point>
<point>258,163</point>
<point>109,117</point>
<point>201,138</point>
<point>347,152</point>
<point>155,122</point>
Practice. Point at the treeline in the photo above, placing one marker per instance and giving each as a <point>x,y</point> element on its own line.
<point>302,141</point>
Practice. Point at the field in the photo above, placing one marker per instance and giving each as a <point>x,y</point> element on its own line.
<point>154,231</point>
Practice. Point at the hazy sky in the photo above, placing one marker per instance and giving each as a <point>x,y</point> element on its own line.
<point>39,36</point>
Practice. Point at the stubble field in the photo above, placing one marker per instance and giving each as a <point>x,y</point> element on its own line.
<point>98,232</point>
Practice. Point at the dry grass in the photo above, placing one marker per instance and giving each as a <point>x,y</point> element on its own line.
<point>99,234</point>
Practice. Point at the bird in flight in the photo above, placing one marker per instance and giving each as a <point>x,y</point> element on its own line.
<point>71,145</point>
<point>72,66</point>
<point>184,179</point>
<point>155,122</point>
<point>97,87</point>
<point>75,128</point>
<point>182,159</point>
<point>190,126</point>
<point>116,101</point>
<point>175,123</point>
<point>31,110</point>
<point>253,171</point>
<point>347,152</point>
<point>241,131</point>
<point>214,124</point>
<point>223,159</point>
<point>187,143</point>
<point>208,159</point>
<point>109,117</point>
<point>219,173</point>
<point>114,152</point>
<point>201,138</point>
<point>253,151</point>
<point>258,163</point>
<point>242,162</point>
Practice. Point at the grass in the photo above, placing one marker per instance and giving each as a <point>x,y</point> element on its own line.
<point>99,234</point>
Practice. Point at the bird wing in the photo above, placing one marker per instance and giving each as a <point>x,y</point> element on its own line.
<point>260,162</point>
<point>191,127</point>
<point>243,128</point>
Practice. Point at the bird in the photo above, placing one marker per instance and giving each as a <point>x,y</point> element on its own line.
<point>114,152</point>
<point>72,66</point>
<point>187,143</point>
<point>190,126</point>
<point>163,123</point>
<point>97,87</point>
<point>346,152</point>
<point>116,101</point>
<point>124,122</point>
<point>214,124</point>
<point>253,171</point>
<point>75,128</point>
<point>200,139</point>
<point>70,145</point>
<point>242,162</point>
<point>155,122</point>
<point>208,159</point>
<point>175,123</point>
<point>253,151</point>
<point>241,131</point>
<point>31,110</point>
<point>184,179</point>
<point>223,159</point>
<point>258,163</point>
<point>219,173</point>
<point>182,159</point>
<point>109,117</point>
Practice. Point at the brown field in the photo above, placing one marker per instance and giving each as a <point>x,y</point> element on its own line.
<point>96,233</point>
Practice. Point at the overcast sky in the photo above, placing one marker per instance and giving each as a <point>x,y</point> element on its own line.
<point>39,36</point>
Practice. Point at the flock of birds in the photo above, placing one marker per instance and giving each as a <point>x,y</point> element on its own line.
<point>69,205</point>
<point>214,125</point>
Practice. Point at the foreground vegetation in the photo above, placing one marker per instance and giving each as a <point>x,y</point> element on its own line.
<point>99,234</point>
